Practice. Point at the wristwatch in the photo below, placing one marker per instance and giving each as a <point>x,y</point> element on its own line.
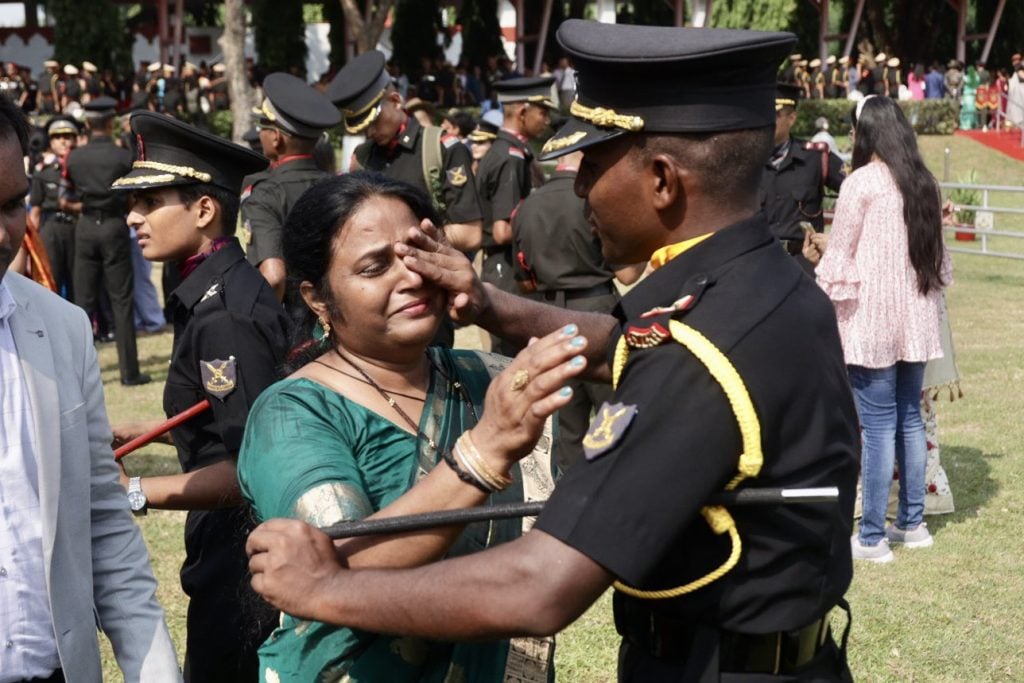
<point>136,498</point>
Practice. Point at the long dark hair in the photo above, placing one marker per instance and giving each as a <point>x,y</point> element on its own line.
<point>314,223</point>
<point>882,129</point>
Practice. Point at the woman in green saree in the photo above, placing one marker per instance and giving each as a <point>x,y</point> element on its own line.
<point>359,428</point>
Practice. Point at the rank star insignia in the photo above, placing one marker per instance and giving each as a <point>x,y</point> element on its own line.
<point>607,428</point>
<point>646,337</point>
<point>457,176</point>
<point>218,376</point>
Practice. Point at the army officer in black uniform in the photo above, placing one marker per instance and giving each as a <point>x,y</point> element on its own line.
<point>398,146</point>
<point>56,227</point>
<point>795,177</point>
<point>103,255</point>
<point>701,403</point>
<point>293,116</point>
<point>230,335</point>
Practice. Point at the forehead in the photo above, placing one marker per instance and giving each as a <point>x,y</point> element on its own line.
<point>377,221</point>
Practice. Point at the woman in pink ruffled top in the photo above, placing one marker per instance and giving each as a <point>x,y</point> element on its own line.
<point>884,267</point>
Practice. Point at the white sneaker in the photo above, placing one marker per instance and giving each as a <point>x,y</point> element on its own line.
<point>879,553</point>
<point>918,537</point>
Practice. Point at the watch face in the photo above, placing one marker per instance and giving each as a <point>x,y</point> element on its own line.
<point>137,500</point>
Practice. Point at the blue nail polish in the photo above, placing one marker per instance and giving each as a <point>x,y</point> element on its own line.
<point>577,342</point>
<point>569,330</point>
<point>565,392</point>
<point>576,362</point>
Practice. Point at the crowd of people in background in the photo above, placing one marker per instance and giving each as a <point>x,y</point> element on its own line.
<point>986,97</point>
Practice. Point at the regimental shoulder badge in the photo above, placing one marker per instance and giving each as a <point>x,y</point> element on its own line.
<point>817,146</point>
<point>514,151</point>
<point>448,141</point>
<point>646,337</point>
<point>607,427</point>
<point>457,176</point>
<point>245,194</point>
<point>219,376</point>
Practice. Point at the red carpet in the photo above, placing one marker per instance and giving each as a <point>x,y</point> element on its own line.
<point>1007,142</point>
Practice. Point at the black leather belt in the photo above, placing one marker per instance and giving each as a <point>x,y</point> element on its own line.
<point>100,216</point>
<point>602,289</point>
<point>497,249</point>
<point>769,653</point>
<point>58,216</point>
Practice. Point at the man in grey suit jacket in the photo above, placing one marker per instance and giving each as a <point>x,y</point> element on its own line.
<point>71,557</point>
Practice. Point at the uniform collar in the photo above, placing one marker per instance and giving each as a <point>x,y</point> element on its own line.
<point>295,162</point>
<point>697,267</point>
<point>515,140</point>
<point>407,138</point>
<point>194,288</point>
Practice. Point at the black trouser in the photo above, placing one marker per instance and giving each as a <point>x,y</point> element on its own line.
<point>574,417</point>
<point>103,256</point>
<point>497,270</point>
<point>227,621</point>
<point>58,234</point>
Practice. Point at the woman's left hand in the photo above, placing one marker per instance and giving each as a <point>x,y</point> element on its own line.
<point>529,390</point>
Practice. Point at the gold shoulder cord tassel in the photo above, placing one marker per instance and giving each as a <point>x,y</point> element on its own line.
<point>750,462</point>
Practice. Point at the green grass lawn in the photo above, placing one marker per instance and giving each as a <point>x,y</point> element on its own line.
<point>950,613</point>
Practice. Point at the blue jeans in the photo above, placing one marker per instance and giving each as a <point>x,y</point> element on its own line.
<point>889,405</point>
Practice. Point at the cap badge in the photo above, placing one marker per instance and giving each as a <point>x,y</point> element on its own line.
<point>607,428</point>
<point>218,376</point>
<point>457,176</point>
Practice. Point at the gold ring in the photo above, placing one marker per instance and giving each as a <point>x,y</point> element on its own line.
<point>520,379</point>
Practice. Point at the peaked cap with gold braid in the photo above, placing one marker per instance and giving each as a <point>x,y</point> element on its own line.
<point>658,79</point>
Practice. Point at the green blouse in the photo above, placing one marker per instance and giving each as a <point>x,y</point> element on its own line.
<point>312,454</point>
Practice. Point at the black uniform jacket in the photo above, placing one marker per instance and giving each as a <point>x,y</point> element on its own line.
<point>93,168</point>
<point>225,316</point>
<point>793,192</point>
<point>504,179</point>
<point>405,162</point>
<point>634,508</point>
<point>270,200</point>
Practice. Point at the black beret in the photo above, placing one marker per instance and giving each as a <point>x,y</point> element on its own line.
<point>536,90</point>
<point>657,79</point>
<point>173,153</point>
<point>358,90</point>
<point>295,107</point>
<point>787,95</point>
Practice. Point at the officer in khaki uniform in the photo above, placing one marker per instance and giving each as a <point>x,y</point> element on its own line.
<point>674,124</point>
<point>795,178</point>
<point>293,116</point>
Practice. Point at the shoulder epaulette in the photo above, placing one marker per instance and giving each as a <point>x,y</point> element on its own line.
<point>449,140</point>
<point>817,146</point>
<point>514,151</point>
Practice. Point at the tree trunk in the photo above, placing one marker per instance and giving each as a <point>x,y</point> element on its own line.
<point>31,14</point>
<point>366,29</point>
<point>232,43</point>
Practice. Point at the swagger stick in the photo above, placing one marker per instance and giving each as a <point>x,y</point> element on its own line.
<point>430,520</point>
<point>140,441</point>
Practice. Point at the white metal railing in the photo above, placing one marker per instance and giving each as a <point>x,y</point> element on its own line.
<point>984,219</point>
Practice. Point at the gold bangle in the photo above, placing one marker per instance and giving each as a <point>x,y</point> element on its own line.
<point>472,476</point>
<point>501,481</point>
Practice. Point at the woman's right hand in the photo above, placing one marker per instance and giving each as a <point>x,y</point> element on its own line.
<point>526,393</point>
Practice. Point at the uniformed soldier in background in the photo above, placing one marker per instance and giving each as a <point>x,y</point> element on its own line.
<point>50,87</point>
<point>560,261</point>
<point>399,146</point>
<point>507,174</point>
<point>833,78</point>
<point>230,335</point>
<point>795,178</point>
<point>674,124</point>
<point>56,227</point>
<point>103,255</point>
<point>292,117</point>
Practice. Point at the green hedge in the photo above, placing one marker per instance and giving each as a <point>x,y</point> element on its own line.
<point>928,117</point>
